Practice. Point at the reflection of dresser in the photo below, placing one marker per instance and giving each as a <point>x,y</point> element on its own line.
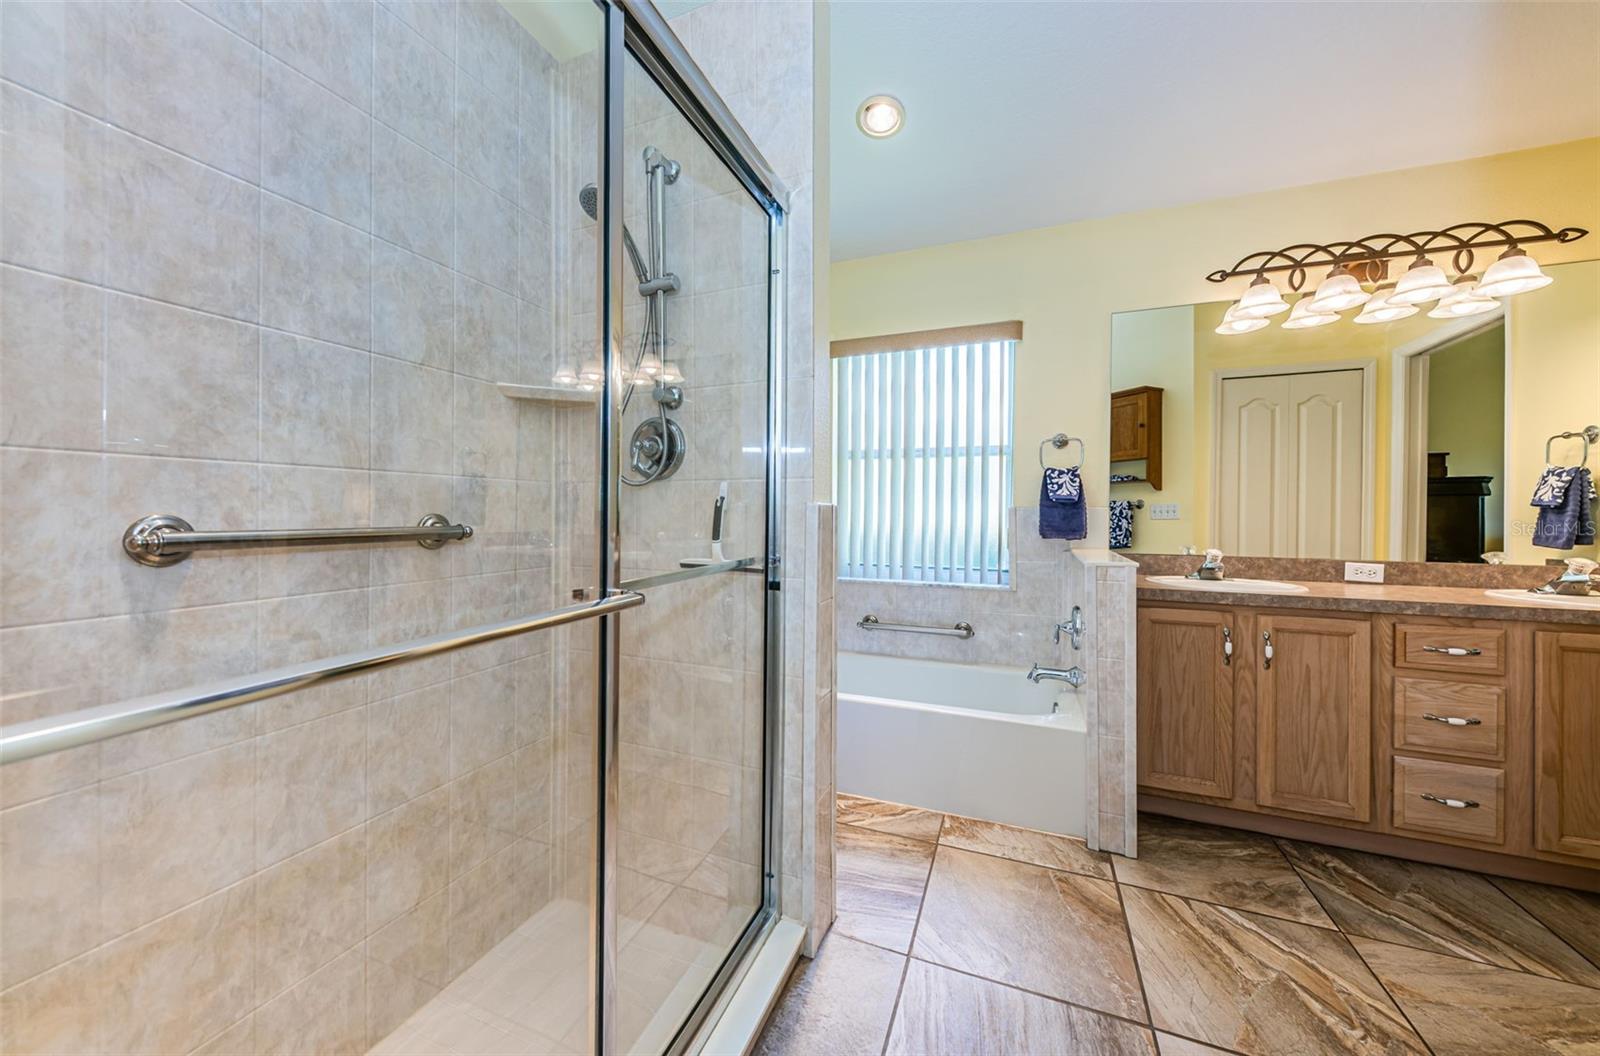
<point>1456,517</point>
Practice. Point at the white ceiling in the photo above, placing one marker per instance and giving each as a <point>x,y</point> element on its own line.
<point>1023,115</point>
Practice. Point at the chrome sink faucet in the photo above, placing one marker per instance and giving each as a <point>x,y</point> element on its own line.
<point>1072,676</point>
<point>1578,579</point>
<point>1210,569</point>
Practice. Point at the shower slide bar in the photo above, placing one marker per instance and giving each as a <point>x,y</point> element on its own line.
<point>162,539</point>
<point>28,740</point>
<point>869,622</point>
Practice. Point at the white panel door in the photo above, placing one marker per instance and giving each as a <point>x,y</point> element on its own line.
<point>1289,469</point>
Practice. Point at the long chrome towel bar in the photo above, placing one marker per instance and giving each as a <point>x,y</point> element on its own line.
<point>27,740</point>
<point>870,622</point>
<point>162,539</point>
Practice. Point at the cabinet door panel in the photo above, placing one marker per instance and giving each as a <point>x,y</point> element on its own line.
<point>1185,704</point>
<point>1567,730</point>
<point>1314,716</point>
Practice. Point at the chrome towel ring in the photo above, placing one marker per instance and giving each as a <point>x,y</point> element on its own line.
<point>1589,434</point>
<point>1059,441</point>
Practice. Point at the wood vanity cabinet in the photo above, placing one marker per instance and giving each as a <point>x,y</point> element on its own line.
<point>1566,699</point>
<point>1314,715</point>
<point>1463,741</point>
<point>1136,429</point>
<point>1185,717</point>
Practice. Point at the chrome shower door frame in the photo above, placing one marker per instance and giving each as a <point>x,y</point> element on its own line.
<point>635,28</point>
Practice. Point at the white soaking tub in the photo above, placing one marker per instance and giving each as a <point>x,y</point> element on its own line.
<point>962,738</point>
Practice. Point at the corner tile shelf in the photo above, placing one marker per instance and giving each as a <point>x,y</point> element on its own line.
<point>546,393</point>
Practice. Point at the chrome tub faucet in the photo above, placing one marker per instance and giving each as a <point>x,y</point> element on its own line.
<point>1072,676</point>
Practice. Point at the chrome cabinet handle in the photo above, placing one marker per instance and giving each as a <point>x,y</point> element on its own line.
<point>1451,720</point>
<point>1452,650</point>
<point>1446,801</point>
<point>1227,647</point>
<point>1266,652</point>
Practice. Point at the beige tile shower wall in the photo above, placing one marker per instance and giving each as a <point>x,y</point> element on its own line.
<point>768,61</point>
<point>261,266</point>
<point>1014,624</point>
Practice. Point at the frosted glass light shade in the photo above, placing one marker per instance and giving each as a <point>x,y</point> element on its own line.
<point>1382,308</point>
<point>1338,292</point>
<point>1423,281</point>
<point>1513,273</point>
<point>1463,300</point>
<point>1232,324</point>
<point>591,372</point>
<point>1260,300</point>
<point>670,374</point>
<point>564,376</point>
<point>1303,318</point>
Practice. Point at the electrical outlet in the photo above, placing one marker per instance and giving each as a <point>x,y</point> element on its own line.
<point>1164,511</point>
<point>1363,572</point>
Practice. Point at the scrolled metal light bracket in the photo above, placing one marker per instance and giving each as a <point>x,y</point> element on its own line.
<point>1461,241</point>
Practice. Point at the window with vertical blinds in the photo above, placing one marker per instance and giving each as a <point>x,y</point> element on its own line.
<point>922,436</point>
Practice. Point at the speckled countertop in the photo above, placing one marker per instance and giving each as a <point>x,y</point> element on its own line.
<point>1461,602</point>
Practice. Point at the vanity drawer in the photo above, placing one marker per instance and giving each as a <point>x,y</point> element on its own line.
<point>1456,718</point>
<point>1476,799</point>
<point>1476,650</point>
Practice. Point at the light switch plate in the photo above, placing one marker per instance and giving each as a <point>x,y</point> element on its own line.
<point>1363,572</point>
<point>1164,511</point>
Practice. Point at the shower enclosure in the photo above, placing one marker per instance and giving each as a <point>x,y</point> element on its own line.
<point>390,472</point>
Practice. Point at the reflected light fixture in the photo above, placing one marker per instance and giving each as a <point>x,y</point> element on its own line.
<point>1423,281</point>
<point>1354,266</point>
<point>1303,318</point>
<point>880,116</point>
<point>1515,272</point>
<point>1381,307</point>
<point>1338,292</point>
<point>564,375</point>
<point>1261,300</point>
<point>1463,300</point>
<point>1232,324</point>
<point>670,375</point>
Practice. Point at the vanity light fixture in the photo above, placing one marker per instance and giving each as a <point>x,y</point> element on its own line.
<point>1424,281</point>
<point>1303,318</point>
<point>1382,307</point>
<point>670,374</point>
<point>880,116</point>
<point>1353,265</point>
<point>1261,300</point>
<point>1464,300</point>
<point>1515,272</point>
<point>1338,292</point>
<point>1233,324</point>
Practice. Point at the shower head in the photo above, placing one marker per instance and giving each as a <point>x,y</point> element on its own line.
<point>589,198</point>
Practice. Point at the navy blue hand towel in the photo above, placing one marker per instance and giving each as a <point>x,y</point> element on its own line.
<point>1061,511</point>
<point>1566,513</point>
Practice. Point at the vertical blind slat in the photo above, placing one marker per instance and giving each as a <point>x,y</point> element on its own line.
<point>923,470</point>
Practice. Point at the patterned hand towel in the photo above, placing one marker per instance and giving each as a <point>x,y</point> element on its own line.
<point>1572,521</point>
<point>1061,511</point>
<point>1121,524</point>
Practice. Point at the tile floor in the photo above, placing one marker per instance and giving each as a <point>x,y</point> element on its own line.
<point>957,936</point>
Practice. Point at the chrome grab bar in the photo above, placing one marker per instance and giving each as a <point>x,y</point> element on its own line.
<point>162,539</point>
<point>870,622</point>
<point>27,740</point>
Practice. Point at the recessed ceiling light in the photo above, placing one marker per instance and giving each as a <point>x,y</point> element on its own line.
<point>880,116</point>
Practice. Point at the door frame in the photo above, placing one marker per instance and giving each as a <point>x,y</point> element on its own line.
<point>1369,407</point>
<point>634,28</point>
<point>1408,431</point>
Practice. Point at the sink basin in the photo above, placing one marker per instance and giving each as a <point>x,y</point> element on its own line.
<point>1567,601</point>
<point>1229,586</point>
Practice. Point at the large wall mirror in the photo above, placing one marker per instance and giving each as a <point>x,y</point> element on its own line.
<point>1421,439</point>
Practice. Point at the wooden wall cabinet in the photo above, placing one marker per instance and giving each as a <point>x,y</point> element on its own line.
<point>1464,741</point>
<point>1136,429</point>
<point>1567,734</point>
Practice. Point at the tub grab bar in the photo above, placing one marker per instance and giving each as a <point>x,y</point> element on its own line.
<point>870,622</point>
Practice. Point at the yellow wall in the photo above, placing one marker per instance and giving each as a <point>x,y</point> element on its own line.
<point>1558,329</point>
<point>1065,282</point>
<point>1467,416</point>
